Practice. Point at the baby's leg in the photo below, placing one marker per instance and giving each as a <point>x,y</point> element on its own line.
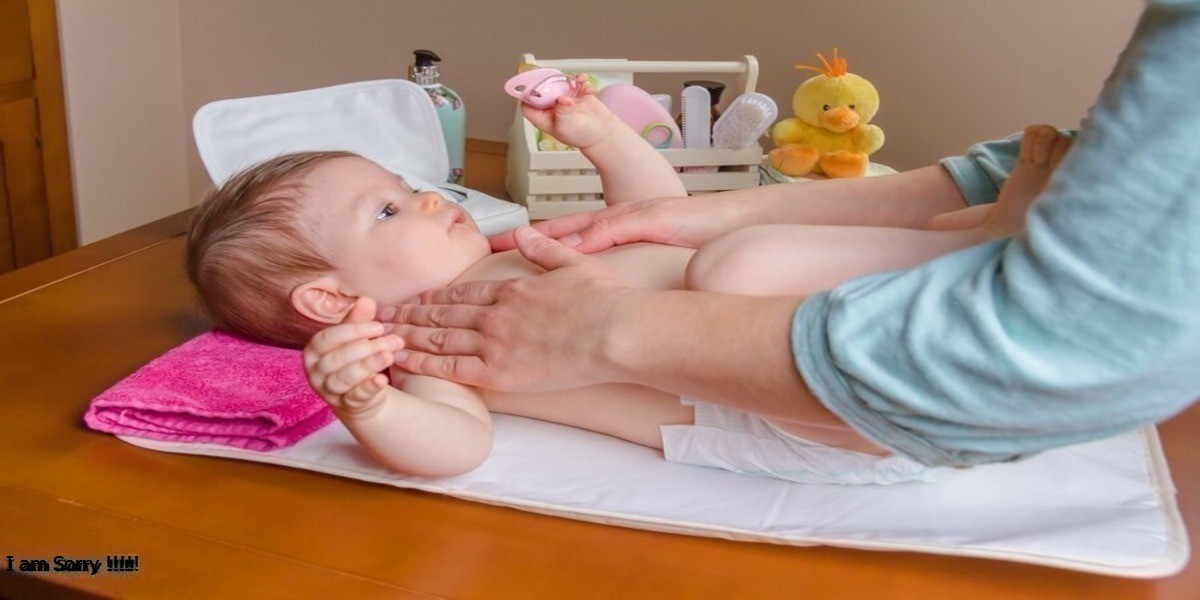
<point>636,414</point>
<point>802,259</point>
<point>786,260</point>
<point>626,411</point>
<point>846,439</point>
<point>1042,149</point>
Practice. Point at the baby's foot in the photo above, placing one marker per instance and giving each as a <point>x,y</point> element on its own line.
<point>1042,149</point>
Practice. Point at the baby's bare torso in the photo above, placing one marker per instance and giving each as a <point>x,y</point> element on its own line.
<point>641,409</point>
<point>628,411</point>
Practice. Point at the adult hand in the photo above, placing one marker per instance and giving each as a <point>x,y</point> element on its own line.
<point>535,333</point>
<point>689,222</point>
<point>579,324</point>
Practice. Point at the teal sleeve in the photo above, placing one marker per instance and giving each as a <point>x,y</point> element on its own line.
<point>1085,324</point>
<point>982,171</point>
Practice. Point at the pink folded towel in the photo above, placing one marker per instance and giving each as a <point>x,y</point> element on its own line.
<point>218,389</point>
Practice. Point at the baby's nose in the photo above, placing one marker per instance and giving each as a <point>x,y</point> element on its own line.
<point>430,201</point>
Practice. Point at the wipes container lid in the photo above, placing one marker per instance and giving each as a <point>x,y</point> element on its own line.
<point>389,121</point>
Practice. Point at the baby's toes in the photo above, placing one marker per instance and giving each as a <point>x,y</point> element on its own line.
<point>1036,144</point>
<point>1062,144</point>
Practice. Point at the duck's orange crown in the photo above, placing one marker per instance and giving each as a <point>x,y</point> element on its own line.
<point>838,68</point>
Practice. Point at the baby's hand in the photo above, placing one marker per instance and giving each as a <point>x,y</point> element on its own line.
<point>344,361</point>
<point>581,121</point>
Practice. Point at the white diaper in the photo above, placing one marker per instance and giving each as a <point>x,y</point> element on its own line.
<point>744,443</point>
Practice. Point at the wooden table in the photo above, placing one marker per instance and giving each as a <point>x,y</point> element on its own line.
<point>203,527</point>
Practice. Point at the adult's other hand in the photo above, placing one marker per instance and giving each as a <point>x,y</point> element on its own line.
<point>688,222</point>
<point>467,332</point>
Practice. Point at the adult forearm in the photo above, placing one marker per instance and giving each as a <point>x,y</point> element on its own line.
<point>729,350</point>
<point>907,199</point>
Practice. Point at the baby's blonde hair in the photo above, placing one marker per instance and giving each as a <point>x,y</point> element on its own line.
<point>247,250</point>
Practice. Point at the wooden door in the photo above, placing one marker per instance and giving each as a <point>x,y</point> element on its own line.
<point>37,208</point>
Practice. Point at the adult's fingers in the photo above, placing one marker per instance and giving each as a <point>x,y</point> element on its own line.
<point>462,316</point>
<point>555,228</point>
<point>605,232</point>
<point>454,303</point>
<point>468,370</point>
<point>474,293</point>
<point>441,340</point>
<point>545,252</point>
<point>964,218</point>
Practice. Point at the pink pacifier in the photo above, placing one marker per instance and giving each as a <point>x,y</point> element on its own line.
<point>540,88</point>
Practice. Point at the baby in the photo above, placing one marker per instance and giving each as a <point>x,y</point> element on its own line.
<point>302,249</point>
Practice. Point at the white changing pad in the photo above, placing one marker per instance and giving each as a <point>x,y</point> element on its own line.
<point>1104,507</point>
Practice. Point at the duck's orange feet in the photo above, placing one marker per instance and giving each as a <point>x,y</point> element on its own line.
<point>844,164</point>
<point>794,160</point>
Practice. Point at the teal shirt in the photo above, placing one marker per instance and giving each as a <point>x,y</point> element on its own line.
<point>1084,325</point>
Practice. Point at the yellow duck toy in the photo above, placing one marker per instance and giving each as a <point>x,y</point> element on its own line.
<point>831,132</point>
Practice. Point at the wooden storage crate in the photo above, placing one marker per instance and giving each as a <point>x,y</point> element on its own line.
<point>557,182</point>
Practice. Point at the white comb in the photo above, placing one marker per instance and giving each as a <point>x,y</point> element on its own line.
<point>696,117</point>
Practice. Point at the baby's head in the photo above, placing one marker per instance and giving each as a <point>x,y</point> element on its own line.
<point>286,247</point>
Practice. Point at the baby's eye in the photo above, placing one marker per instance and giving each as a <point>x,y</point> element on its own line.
<point>388,210</point>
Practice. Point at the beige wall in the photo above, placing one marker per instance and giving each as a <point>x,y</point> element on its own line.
<point>950,72</point>
<point>125,112</point>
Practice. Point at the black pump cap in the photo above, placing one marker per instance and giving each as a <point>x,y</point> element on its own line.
<point>425,58</point>
<point>714,88</point>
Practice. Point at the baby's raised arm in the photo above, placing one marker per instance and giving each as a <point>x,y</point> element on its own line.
<point>630,168</point>
<point>431,428</point>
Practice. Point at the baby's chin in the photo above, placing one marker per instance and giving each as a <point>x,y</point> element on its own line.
<point>480,246</point>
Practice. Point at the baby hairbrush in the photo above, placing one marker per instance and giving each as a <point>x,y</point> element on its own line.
<point>541,88</point>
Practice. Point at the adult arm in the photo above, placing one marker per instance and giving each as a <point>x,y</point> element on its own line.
<point>579,324</point>
<point>907,199</point>
<point>1080,327</point>
<point>726,349</point>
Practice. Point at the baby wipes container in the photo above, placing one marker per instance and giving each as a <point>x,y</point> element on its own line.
<point>451,111</point>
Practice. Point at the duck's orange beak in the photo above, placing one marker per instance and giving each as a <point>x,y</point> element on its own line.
<point>839,120</point>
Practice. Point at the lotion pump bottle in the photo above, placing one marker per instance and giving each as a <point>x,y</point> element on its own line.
<point>451,111</point>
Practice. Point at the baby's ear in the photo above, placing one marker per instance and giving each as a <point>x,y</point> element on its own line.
<point>322,300</point>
